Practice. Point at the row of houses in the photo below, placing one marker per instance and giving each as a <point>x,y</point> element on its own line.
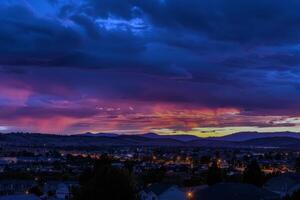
<point>20,188</point>
<point>275,189</point>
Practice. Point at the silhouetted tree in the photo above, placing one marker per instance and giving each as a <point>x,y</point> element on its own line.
<point>36,190</point>
<point>153,176</point>
<point>297,165</point>
<point>294,196</point>
<point>51,193</point>
<point>205,159</point>
<point>253,174</point>
<point>129,165</point>
<point>214,174</point>
<point>105,182</point>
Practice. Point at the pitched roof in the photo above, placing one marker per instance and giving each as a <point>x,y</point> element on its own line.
<point>283,182</point>
<point>19,197</point>
<point>234,191</point>
<point>158,188</point>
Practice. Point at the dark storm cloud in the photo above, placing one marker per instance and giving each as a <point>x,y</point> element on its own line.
<point>9,113</point>
<point>28,39</point>
<point>75,38</point>
<point>214,53</point>
<point>260,22</point>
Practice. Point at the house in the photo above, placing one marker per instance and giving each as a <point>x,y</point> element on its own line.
<point>62,190</point>
<point>234,191</point>
<point>162,192</point>
<point>284,184</point>
<point>19,197</point>
<point>190,191</point>
<point>8,187</point>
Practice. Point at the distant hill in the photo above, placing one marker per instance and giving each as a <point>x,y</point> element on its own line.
<point>183,138</point>
<point>99,134</point>
<point>88,140</point>
<point>243,136</point>
<point>47,140</point>
<point>212,143</point>
<point>235,137</point>
<point>277,142</point>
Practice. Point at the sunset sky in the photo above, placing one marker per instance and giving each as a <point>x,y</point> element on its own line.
<point>207,68</point>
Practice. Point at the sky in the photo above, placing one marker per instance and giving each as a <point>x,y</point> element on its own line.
<point>209,67</point>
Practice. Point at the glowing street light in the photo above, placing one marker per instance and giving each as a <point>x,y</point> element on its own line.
<point>189,195</point>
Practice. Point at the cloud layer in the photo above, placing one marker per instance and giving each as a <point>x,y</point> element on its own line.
<point>133,66</point>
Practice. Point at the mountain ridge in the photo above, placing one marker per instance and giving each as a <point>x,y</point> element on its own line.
<point>48,140</point>
<point>243,136</point>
